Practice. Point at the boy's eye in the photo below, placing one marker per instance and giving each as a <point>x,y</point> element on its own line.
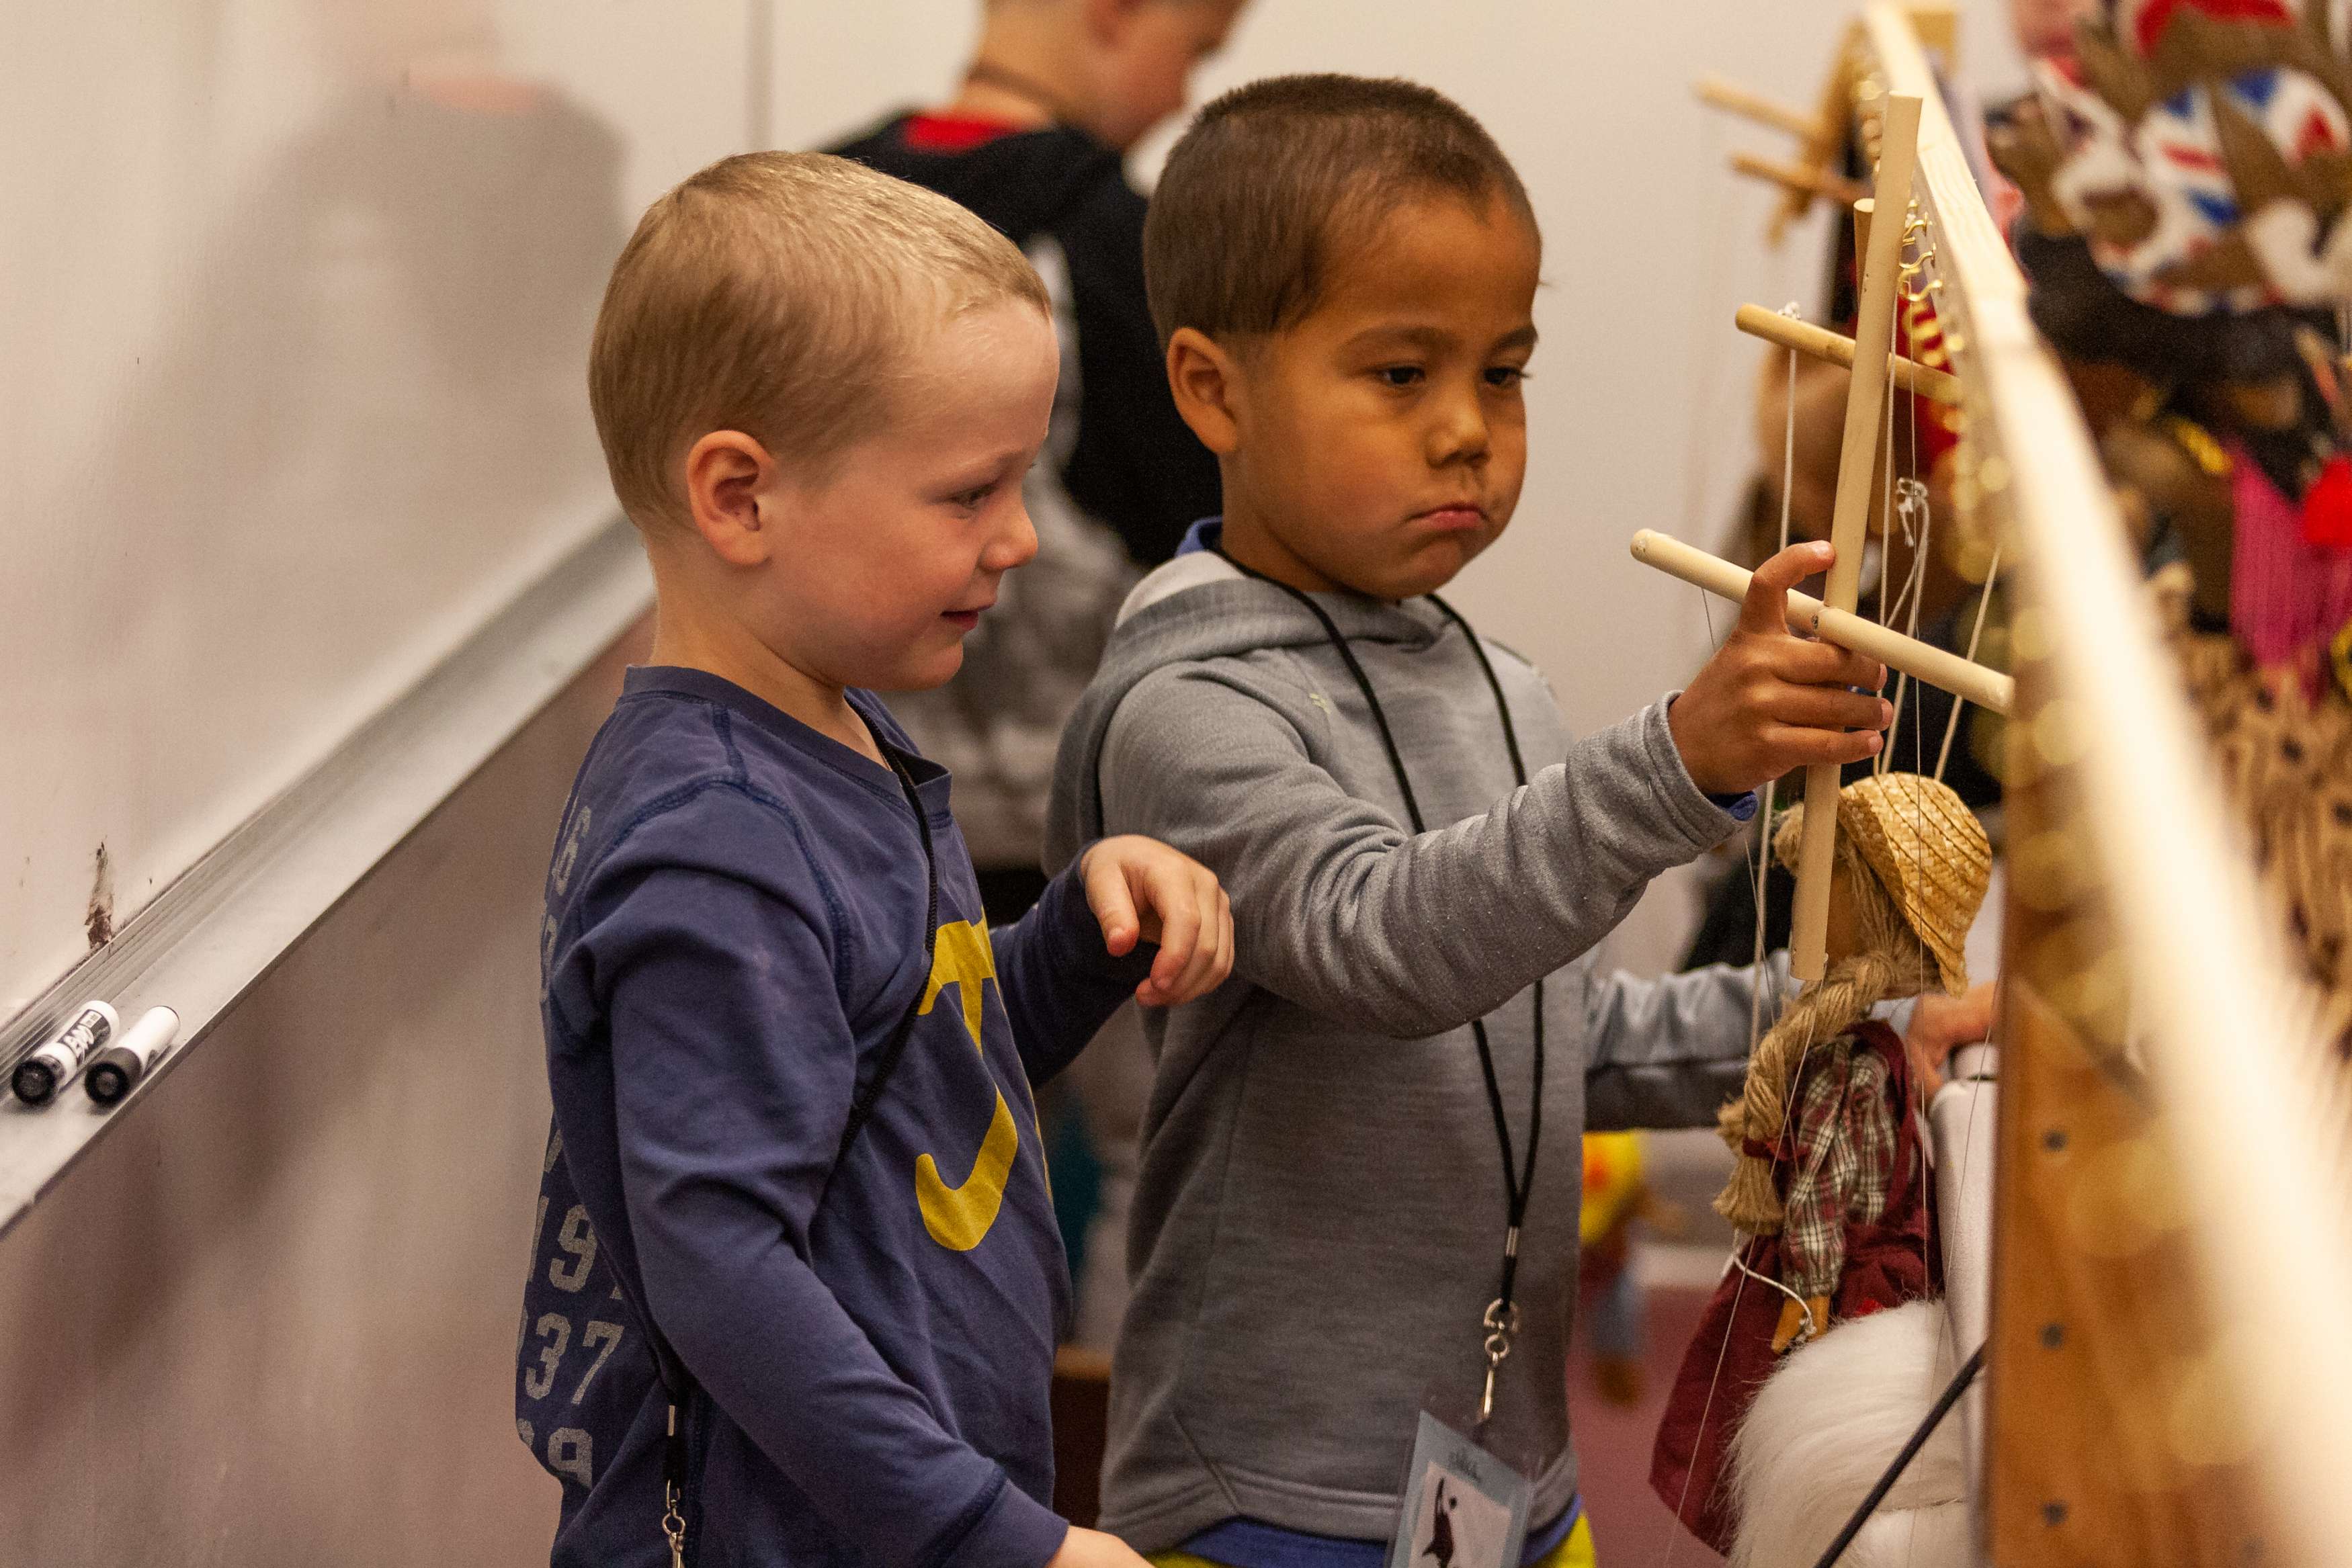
<point>973,500</point>
<point>1400,375</point>
<point>1504,378</point>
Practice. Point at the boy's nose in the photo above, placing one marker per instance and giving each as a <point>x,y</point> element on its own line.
<point>1459,433</point>
<point>1016,545</point>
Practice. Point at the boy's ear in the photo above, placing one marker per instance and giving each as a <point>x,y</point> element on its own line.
<point>726,473</point>
<point>1205,380</point>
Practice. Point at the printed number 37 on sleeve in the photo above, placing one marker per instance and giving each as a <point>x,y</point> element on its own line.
<point>556,1330</point>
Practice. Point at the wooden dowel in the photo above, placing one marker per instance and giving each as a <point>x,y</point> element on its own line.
<point>1738,101</point>
<point>1838,350</point>
<point>1797,177</point>
<point>1940,667</point>
<point>1866,402</point>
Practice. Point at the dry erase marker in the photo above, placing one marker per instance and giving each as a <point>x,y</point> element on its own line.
<point>40,1075</point>
<point>114,1069</point>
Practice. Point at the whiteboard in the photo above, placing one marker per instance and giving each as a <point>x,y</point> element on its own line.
<point>298,295</point>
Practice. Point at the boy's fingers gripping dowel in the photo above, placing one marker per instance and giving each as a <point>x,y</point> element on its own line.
<point>1940,667</point>
<point>53,1063</point>
<point>1764,603</point>
<point>118,1069</point>
<point>1873,339</point>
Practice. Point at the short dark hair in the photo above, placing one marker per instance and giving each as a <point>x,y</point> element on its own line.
<point>1276,177</point>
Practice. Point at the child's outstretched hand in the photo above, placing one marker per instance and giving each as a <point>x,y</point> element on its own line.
<point>1142,891</point>
<point>1769,700</point>
<point>1941,1025</point>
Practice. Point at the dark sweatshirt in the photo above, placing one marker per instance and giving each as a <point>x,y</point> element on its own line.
<point>1120,479</point>
<point>734,926</point>
<point>1134,464</point>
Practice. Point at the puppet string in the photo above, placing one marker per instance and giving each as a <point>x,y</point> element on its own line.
<point>1762,867</point>
<point>1740,1264</point>
<point>1984,603</point>
<point>1885,455</point>
<point>1760,871</point>
<point>1914,589</point>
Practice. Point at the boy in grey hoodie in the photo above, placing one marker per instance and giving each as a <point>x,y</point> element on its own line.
<point>1361,1156</point>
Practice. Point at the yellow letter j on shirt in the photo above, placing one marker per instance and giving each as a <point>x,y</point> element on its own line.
<point>959,1217</point>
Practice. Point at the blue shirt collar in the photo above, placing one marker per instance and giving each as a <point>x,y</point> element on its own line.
<point>1206,534</point>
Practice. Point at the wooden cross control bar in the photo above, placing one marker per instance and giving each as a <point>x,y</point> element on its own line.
<point>1837,349</point>
<point>1985,688</point>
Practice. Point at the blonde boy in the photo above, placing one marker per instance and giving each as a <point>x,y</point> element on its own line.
<point>797,1243</point>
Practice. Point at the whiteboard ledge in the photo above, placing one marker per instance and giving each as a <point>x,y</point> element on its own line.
<point>209,938</point>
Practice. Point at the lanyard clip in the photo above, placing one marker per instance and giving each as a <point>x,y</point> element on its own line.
<point>673,1521</point>
<point>1501,1321</point>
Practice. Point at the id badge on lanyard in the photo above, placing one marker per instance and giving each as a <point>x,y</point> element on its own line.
<point>1464,1502</point>
<point>1465,1507</point>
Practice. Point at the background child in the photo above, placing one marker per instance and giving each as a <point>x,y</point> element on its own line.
<point>1345,1178</point>
<point>814,1182</point>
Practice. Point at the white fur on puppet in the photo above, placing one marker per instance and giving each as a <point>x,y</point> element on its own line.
<point>1825,1428</point>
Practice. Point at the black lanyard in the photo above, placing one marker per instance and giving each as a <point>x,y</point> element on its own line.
<point>1502,1319</point>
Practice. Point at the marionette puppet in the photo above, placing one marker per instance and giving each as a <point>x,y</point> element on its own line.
<point>1832,1195</point>
<point>2187,178</point>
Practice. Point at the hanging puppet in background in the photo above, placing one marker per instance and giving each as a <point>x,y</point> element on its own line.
<point>1832,1194</point>
<point>2187,177</point>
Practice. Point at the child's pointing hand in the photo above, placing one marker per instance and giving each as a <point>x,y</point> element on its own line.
<point>1142,891</point>
<point>1769,700</point>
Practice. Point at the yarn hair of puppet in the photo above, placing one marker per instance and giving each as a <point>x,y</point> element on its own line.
<point>1892,962</point>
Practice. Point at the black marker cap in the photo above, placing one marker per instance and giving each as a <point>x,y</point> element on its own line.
<point>110,1078</point>
<point>35,1082</point>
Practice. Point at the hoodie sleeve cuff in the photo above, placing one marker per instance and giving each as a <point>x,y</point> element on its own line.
<point>1705,819</point>
<point>1015,1530</point>
<point>1741,807</point>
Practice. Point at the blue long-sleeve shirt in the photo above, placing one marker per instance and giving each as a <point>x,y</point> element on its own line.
<point>734,926</point>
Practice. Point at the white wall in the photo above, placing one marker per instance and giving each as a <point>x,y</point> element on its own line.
<point>297,295</point>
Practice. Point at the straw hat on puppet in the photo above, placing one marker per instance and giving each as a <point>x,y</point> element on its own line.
<point>1927,849</point>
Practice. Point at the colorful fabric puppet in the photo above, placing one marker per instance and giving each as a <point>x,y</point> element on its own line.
<point>2186,179</point>
<point>1831,1190</point>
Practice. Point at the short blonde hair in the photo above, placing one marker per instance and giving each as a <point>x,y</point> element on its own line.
<point>777,294</point>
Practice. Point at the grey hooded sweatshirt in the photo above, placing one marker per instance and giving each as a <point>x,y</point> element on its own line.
<point>1319,1224</point>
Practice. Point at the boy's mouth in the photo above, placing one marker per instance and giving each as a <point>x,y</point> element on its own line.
<point>965,620</point>
<point>1460,518</point>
